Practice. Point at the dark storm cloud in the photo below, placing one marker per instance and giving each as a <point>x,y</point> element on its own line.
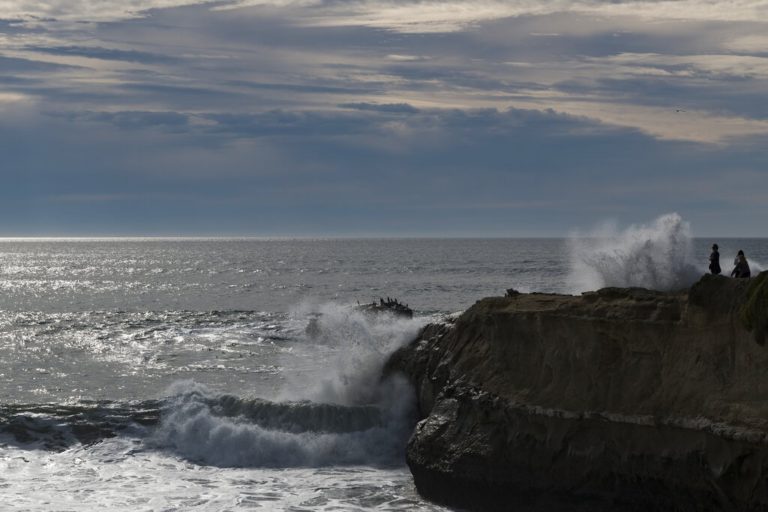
<point>364,119</point>
<point>17,26</point>
<point>303,88</point>
<point>274,123</point>
<point>106,54</point>
<point>391,108</point>
<point>172,91</point>
<point>10,65</point>
<point>279,122</point>
<point>491,167</point>
<point>172,121</point>
<point>17,83</point>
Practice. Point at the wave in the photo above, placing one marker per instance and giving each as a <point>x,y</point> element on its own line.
<point>658,256</point>
<point>231,432</point>
<point>57,427</point>
<point>295,417</point>
<point>335,411</point>
<point>339,412</point>
<point>223,430</point>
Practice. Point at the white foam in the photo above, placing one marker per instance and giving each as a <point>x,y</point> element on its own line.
<point>118,475</point>
<point>204,456</point>
<point>348,352</point>
<point>658,256</point>
<point>193,428</point>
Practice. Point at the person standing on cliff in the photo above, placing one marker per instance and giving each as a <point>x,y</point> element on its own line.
<point>741,268</point>
<point>714,261</point>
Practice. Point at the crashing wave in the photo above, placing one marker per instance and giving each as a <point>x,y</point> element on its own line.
<point>230,432</point>
<point>656,256</point>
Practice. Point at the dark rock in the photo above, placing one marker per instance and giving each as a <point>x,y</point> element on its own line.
<point>390,306</point>
<point>621,400</point>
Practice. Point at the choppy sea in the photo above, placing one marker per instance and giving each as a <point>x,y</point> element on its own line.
<point>170,374</point>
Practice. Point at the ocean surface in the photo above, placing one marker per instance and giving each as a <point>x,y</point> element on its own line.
<point>170,374</point>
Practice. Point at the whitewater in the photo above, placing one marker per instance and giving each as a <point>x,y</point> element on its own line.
<point>179,374</point>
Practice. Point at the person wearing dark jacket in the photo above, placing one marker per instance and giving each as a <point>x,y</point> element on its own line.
<point>714,261</point>
<point>741,268</point>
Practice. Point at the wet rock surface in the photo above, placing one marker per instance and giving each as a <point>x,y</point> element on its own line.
<point>620,399</point>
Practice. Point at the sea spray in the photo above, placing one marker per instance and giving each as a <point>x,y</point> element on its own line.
<point>353,347</point>
<point>657,256</point>
<point>341,413</point>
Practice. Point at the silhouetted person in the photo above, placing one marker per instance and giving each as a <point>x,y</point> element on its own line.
<point>741,268</point>
<point>714,261</point>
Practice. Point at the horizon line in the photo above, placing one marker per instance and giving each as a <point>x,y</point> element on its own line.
<point>138,238</point>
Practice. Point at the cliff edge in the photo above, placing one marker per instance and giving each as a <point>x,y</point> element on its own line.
<point>619,399</point>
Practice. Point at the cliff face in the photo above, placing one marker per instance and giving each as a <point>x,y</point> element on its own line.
<point>621,399</point>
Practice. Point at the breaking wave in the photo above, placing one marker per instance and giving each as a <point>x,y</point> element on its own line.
<point>337,412</point>
<point>340,413</point>
<point>658,256</point>
<point>231,432</point>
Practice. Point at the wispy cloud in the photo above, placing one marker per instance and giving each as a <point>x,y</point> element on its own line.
<point>84,10</point>
<point>453,15</point>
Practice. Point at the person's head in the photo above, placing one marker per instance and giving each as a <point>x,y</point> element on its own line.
<point>740,253</point>
<point>715,247</point>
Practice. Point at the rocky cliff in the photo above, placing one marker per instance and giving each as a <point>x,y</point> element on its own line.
<point>620,399</point>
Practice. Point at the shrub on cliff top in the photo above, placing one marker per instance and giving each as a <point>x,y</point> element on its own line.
<point>754,312</point>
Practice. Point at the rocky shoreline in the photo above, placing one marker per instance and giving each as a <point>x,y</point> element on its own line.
<point>620,399</point>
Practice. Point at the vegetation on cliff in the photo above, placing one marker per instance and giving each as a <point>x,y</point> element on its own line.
<point>754,312</point>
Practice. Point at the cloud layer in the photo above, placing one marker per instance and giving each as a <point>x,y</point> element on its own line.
<point>380,117</point>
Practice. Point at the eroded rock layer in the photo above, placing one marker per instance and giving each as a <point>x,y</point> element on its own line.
<point>620,399</point>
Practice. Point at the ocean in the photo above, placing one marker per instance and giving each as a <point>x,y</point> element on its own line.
<point>179,374</point>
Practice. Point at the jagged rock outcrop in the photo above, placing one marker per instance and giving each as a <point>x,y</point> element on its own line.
<point>620,399</point>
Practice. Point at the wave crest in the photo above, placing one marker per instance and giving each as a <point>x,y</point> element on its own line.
<point>230,432</point>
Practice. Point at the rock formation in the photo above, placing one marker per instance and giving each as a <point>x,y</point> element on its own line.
<point>620,399</point>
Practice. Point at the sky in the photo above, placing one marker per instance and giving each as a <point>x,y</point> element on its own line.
<point>381,118</point>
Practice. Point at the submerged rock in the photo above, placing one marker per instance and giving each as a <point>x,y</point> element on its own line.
<point>620,399</point>
<point>389,306</point>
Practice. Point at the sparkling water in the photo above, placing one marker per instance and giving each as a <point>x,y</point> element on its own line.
<point>146,374</point>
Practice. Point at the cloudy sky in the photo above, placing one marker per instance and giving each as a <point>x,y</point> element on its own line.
<point>373,117</point>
